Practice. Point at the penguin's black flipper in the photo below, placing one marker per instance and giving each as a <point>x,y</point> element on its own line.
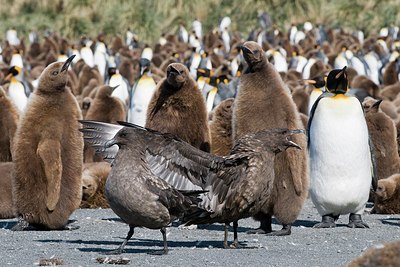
<point>312,112</point>
<point>373,163</point>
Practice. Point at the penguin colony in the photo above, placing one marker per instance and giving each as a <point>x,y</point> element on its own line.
<point>199,87</point>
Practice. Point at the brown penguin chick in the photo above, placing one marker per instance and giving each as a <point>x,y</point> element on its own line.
<point>304,119</point>
<point>129,70</point>
<point>8,125</point>
<point>398,137</point>
<point>77,67</point>
<point>383,133</point>
<point>157,60</point>
<point>34,50</point>
<point>178,107</point>
<point>293,75</point>
<point>263,102</point>
<point>87,73</point>
<point>106,108</point>
<point>387,196</point>
<point>390,92</point>
<point>351,73</point>
<point>301,98</point>
<point>364,83</point>
<point>390,75</point>
<point>381,255</point>
<point>85,105</point>
<point>48,158</point>
<point>117,44</point>
<point>94,178</point>
<point>390,109</point>
<point>6,203</point>
<point>89,87</point>
<point>317,68</point>
<point>73,81</point>
<point>221,128</point>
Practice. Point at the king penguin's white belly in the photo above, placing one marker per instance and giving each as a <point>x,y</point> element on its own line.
<point>316,92</point>
<point>140,101</point>
<point>122,90</point>
<point>16,91</point>
<point>340,160</point>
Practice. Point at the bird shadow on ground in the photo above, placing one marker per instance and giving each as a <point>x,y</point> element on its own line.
<point>220,227</point>
<point>304,223</point>
<point>10,224</point>
<point>391,221</point>
<point>151,244</point>
<point>7,224</point>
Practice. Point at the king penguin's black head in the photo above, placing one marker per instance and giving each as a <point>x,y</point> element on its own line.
<point>337,81</point>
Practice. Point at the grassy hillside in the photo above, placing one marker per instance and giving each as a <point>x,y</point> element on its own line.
<point>149,18</point>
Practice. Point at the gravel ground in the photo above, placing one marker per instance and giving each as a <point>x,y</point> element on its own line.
<point>100,231</point>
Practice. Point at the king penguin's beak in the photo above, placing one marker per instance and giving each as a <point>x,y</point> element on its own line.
<point>67,63</point>
<point>341,72</point>
<point>8,77</point>
<point>115,87</point>
<point>310,81</point>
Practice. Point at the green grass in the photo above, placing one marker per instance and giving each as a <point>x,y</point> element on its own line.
<point>149,18</point>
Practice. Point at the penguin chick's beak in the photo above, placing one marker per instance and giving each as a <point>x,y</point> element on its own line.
<point>246,50</point>
<point>115,87</point>
<point>376,104</point>
<point>67,63</point>
<point>173,70</point>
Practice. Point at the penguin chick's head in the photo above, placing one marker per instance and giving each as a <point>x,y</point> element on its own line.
<point>386,188</point>
<point>54,77</point>
<point>253,54</point>
<point>105,91</point>
<point>89,185</point>
<point>337,81</point>
<point>177,74</point>
<point>371,104</point>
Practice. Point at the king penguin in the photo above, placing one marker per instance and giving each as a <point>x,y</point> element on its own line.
<point>318,83</point>
<point>341,161</point>
<point>142,93</point>
<point>17,90</point>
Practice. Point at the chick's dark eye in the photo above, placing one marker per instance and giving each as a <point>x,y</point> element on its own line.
<point>55,72</point>
<point>123,134</point>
